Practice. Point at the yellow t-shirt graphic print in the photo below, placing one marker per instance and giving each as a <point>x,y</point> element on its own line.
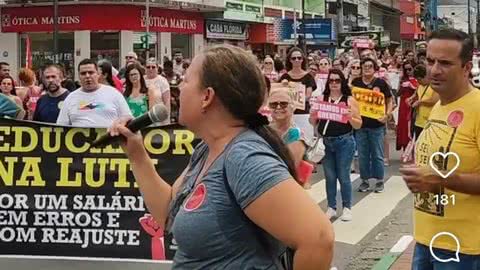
<point>454,127</point>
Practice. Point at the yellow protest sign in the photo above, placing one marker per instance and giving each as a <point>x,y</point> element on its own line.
<point>371,103</point>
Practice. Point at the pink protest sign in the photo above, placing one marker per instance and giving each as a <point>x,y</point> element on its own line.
<point>330,111</point>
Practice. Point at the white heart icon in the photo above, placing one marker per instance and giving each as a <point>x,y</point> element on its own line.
<point>444,155</point>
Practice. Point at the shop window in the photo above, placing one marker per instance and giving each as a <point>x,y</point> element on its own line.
<point>182,43</point>
<point>105,45</point>
<point>41,46</point>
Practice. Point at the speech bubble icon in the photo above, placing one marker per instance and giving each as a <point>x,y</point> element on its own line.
<point>444,156</point>
<point>456,259</point>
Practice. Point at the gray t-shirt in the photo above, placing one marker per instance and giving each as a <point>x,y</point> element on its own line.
<point>211,230</point>
<point>93,109</point>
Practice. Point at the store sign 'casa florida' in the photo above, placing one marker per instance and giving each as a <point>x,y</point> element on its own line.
<point>226,30</point>
<point>93,17</point>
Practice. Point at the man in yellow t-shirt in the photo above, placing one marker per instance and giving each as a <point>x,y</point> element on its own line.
<point>423,100</point>
<point>448,204</point>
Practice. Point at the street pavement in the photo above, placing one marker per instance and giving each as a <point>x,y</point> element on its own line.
<point>379,221</point>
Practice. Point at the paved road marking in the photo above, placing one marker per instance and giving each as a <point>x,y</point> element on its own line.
<point>402,244</point>
<point>370,211</point>
<point>396,251</point>
<point>318,191</point>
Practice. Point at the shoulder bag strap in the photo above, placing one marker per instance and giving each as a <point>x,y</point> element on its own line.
<point>328,121</point>
<point>424,92</point>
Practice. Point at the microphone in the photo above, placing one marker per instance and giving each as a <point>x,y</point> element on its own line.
<point>158,113</point>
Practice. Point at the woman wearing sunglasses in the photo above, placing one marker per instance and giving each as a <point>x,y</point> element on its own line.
<point>339,143</point>
<point>296,66</point>
<point>354,71</point>
<point>269,69</point>
<point>408,86</point>
<point>282,106</point>
<point>158,83</point>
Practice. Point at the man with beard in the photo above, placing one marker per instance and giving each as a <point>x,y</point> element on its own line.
<point>49,105</point>
<point>178,66</point>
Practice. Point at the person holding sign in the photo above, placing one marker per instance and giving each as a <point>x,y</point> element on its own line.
<point>282,105</point>
<point>375,110</point>
<point>339,141</point>
<point>296,66</point>
<point>237,205</point>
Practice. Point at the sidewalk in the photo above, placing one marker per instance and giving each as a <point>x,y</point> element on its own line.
<point>405,260</point>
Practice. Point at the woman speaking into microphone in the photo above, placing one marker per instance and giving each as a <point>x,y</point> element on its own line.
<point>237,205</point>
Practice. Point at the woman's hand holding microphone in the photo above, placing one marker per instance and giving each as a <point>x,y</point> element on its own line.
<point>132,143</point>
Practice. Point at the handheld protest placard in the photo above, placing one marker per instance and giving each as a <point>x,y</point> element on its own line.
<point>371,103</point>
<point>295,90</point>
<point>330,111</point>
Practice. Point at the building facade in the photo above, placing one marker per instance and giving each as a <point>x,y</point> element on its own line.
<point>411,24</point>
<point>259,17</point>
<point>111,29</point>
<point>458,15</point>
<point>101,31</point>
<point>385,17</point>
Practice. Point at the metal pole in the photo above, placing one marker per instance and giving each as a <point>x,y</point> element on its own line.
<point>340,16</point>
<point>469,20</point>
<point>147,7</point>
<point>434,14</point>
<point>295,35</point>
<point>477,39</point>
<point>55,31</point>
<point>303,28</point>
<point>429,18</point>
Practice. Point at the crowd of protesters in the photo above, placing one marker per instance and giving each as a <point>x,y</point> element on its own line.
<point>400,75</point>
<point>107,93</point>
<point>139,85</point>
